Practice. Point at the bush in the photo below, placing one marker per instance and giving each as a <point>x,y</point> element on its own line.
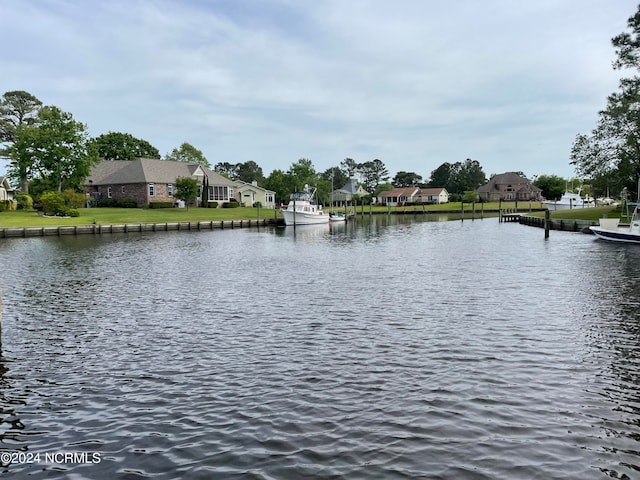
<point>257,204</point>
<point>160,204</point>
<point>74,213</point>
<point>53,203</point>
<point>73,199</point>
<point>106,203</point>
<point>231,205</point>
<point>25,201</point>
<point>128,203</point>
<point>212,205</point>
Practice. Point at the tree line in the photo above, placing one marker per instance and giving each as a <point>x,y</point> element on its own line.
<point>48,150</point>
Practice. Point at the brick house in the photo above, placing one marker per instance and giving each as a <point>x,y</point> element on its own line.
<point>148,180</point>
<point>509,186</point>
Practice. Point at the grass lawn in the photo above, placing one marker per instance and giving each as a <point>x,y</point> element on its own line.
<point>112,216</point>
<point>109,216</point>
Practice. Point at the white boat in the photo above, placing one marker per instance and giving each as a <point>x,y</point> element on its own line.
<point>302,210</point>
<point>610,229</point>
<point>337,217</point>
<point>570,200</point>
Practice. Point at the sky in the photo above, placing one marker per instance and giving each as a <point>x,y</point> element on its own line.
<point>414,83</point>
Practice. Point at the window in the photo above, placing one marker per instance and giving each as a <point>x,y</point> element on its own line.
<point>109,192</point>
<point>152,189</point>
<point>218,193</point>
<point>123,189</point>
<point>170,189</point>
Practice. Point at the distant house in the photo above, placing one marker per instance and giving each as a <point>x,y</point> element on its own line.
<point>509,186</point>
<point>413,196</point>
<point>398,196</point>
<point>250,193</point>
<point>7,194</point>
<point>148,180</point>
<point>351,190</point>
<point>432,196</point>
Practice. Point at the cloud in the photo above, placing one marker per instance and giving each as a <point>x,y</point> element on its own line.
<point>412,83</point>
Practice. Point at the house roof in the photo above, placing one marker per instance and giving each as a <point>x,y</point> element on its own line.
<point>251,186</point>
<point>508,178</point>
<point>147,170</point>
<point>352,187</point>
<point>4,183</point>
<point>400,192</point>
<point>431,191</point>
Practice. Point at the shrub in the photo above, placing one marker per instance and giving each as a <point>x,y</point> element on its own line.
<point>257,204</point>
<point>107,203</point>
<point>128,203</point>
<point>73,199</point>
<point>74,213</point>
<point>25,201</point>
<point>212,205</point>
<point>52,203</point>
<point>160,204</point>
<point>231,205</point>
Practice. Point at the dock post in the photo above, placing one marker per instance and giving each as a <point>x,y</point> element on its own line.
<point>547,221</point>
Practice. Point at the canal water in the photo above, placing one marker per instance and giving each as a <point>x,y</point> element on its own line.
<point>385,348</point>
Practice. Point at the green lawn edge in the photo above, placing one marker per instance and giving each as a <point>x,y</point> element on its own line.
<point>117,216</point>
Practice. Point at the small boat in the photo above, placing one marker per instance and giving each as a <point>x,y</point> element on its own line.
<point>570,200</point>
<point>337,217</point>
<point>302,210</point>
<point>610,229</point>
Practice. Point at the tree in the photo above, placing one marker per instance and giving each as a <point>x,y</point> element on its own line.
<point>303,173</point>
<point>17,108</point>
<point>189,154</point>
<point>372,174</point>
<point>441,176</point>
<point>186,190</point>
<point>280,182</point>
<point>459,177</point>
<point>350,166</point>
<point>55,147</point>
<point>552,186</point>
<point>406,179</point>
<point>336,176</point>
<point>612,150</point>
<point>226,169</point>
<point>467,176</point>
<point>124,146</point>
<point>248,172</point>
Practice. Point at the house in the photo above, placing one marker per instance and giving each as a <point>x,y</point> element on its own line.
<point>250,193</point>
<point>510,186</point>
<point>7,194</point>
<point>398,196</point>
<point>432,195</point>
<point>351,190</point>
<point>146,180</point>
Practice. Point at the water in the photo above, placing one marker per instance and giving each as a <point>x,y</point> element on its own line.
<point>386,349</point>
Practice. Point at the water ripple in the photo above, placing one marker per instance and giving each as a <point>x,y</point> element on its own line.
<point>372,350</point>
